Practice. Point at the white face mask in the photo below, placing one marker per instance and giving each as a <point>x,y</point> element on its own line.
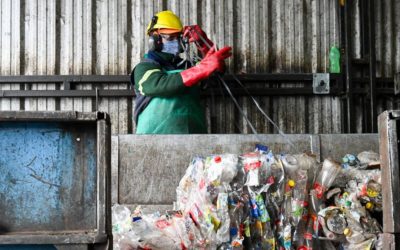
<point>171,47</point>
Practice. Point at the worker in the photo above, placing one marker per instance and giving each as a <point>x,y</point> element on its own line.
<point>167,96</point>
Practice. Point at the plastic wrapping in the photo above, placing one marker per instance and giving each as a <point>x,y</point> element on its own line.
<point>121,218</point>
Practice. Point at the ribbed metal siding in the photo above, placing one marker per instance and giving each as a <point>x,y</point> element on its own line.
<point>108,37</point>
<point>387,31</point>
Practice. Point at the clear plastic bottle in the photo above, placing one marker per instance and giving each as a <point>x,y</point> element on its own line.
<point>121,219</point>
<point>326,176</point>
<point>353,231</point>
<point>268,237</point>
<point>223,214</point>
<point>299,200</point>
<point>287,236</point>
<point>307,243</point>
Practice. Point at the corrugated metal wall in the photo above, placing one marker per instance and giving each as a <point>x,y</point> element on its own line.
<point>107,37</point>
<point>387,31</point>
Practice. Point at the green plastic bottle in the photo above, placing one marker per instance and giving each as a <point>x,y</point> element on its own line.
<point>334,60</point>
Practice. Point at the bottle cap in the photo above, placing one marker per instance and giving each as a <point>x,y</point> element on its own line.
<point>262,147</point>
<point>233,231</point>
<point>347,231</point>
<point>217,159</point>
<point>369,205</point>
<point>291,183</point>
<point>134,219</point>
<point>348,203</point>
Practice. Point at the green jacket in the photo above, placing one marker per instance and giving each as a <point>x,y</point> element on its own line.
<point>164,105</point>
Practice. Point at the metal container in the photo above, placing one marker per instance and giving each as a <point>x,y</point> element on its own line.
<point>54,178</point>
<point>146,169</point>
<point>389,135</point>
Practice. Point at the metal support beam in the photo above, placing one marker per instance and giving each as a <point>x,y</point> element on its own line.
<point>303,91</point>
<point>335,82</point>
<point>74,79</point>
<point>372,66</point>
<point>63,78</point>
<point>350,127</point>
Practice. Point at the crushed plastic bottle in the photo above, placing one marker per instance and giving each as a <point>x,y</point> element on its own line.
<point>350,160</point>
<point>259,200</point>
<point>121,219</point>
<point>300,197</point>
<point>223,233</point>
<point>251,165</point>
<point>333,222</point>
<point>325,178</point>
<point>307,242</point>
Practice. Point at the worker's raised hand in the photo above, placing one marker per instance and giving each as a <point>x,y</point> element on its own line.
<point>212,62</point>
<point>216,59</point>
<point>196,35</point>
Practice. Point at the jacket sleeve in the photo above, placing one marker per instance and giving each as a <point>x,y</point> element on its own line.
<point>151,80</point>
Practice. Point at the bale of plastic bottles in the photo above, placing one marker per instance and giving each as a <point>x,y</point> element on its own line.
<point>262,200</point>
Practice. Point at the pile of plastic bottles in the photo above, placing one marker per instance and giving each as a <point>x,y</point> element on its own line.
<point>261,200</point>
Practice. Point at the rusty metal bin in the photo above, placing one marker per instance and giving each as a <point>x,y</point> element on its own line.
<point>389,132</point>
<point>55,178</point>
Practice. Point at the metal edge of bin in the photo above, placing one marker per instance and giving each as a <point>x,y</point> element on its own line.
<point>389,156</point>
<point>104,177</point>
<point>102,234</point>
<point>64,116</point>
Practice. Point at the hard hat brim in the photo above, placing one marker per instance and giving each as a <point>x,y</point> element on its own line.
<point>169,31</point>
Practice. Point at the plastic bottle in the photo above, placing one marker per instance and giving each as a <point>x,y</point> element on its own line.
<point>121,219</point>
<point>224,246</point>
<point>299,200</point>
<point>325,178</point>
<point>307,243</point>
<point>251,164</point>
<point>223,234</point>
<point>287,237</point>
<point>276,180</point>
<point>334,60</point>
<point>268,237</point>
<point>353,236</point>
<point>290,165</point>
<point>253,208</point>
<point>350,160</point>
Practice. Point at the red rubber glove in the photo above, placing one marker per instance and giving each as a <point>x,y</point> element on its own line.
<point>195,34</point>
<point>213,61</point>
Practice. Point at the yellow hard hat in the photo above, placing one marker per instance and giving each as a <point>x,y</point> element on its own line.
<point>166,21</point>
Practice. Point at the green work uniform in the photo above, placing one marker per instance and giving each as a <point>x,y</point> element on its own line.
<point>173,108</point>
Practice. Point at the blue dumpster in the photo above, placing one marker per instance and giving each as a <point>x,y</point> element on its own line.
<point>54,178</point>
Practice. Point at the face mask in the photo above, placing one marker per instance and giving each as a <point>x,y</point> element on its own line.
<point>171,47</point>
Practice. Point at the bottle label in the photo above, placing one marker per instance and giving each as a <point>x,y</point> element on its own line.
<point>161,224</point>
<point>308,236</point>
<point>319,190</point>
<point>252,165</point>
